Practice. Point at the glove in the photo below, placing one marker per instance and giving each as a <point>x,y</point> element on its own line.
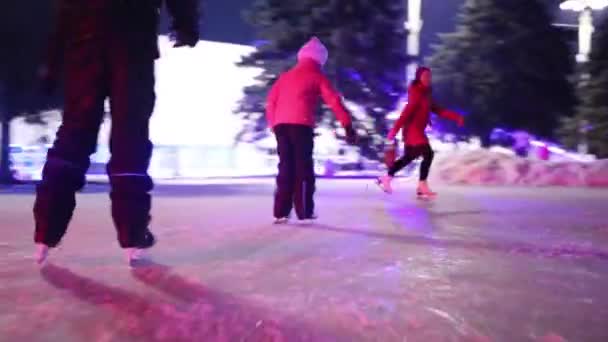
<point>390,144</point>
<point>460,121</point>
<point>351,135</point>
<point>390,152</point>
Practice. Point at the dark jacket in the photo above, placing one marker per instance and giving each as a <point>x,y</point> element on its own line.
<point>127,24</point>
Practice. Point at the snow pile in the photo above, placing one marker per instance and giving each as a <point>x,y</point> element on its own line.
<point>486,167</point>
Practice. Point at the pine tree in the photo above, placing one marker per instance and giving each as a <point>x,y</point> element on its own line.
<point>590,124</point>
<point>367,57</point>
<point>505,65</point>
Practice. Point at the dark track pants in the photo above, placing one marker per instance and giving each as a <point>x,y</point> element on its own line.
<point>296,178</point>
<point>95,72</point>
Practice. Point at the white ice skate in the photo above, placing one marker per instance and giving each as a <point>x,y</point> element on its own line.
<point>424,192</point>
<point>384,182</point>
<point>281,220</point>
<point>42,253</point>
<point>136,256</point>
<point>309,220</point>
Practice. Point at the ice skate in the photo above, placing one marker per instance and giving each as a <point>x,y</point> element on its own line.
<point>42,253</point>
<point>384,182</point>
<point>281,220</point>
<point>424,192</point>
<point>308,220</point>
<point>136,256</point>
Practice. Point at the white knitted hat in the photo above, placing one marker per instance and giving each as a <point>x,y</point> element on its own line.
<point>314,50</point>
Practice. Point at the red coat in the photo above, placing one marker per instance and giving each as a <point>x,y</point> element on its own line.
<point>294,97</point>
<point>416,115</point>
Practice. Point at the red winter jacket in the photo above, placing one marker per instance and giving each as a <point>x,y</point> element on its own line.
<point>294,97</point>
<point>416,115</point>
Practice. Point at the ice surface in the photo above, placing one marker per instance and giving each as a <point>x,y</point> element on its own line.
<point>476,264</point>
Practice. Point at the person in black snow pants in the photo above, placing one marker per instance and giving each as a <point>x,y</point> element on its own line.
<point>290,109</point>
<point>105,49</point>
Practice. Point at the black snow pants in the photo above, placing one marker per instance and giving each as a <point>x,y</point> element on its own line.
<point>95,71</point>
<point>296,178</point>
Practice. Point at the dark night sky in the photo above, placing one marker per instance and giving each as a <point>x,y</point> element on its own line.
<point>223,20</point>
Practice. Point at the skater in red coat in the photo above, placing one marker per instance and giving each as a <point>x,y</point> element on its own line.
<point>413,121</point>
<point>290,112</point>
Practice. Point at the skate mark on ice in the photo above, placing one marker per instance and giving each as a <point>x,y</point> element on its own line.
<point>456,213</point>
<point>458,323</point>
<point>562,251</point>
<point>9,249</point>
<point>205,314</point>
<point>551,337</point>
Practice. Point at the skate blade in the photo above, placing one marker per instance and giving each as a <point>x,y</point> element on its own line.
<point>41,257</point>
<point>139,263</point>
<point>379,184</point>
<point>281,221</point>
<point>426,197</point>
<point>139,257</point>
<point>307,221</point>
<point>41,261</point>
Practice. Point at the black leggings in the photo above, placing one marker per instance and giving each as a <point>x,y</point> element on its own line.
<point>412,152</point>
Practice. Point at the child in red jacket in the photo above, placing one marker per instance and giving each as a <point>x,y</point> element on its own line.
<point>413,120</point>
<point>290,112</point>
